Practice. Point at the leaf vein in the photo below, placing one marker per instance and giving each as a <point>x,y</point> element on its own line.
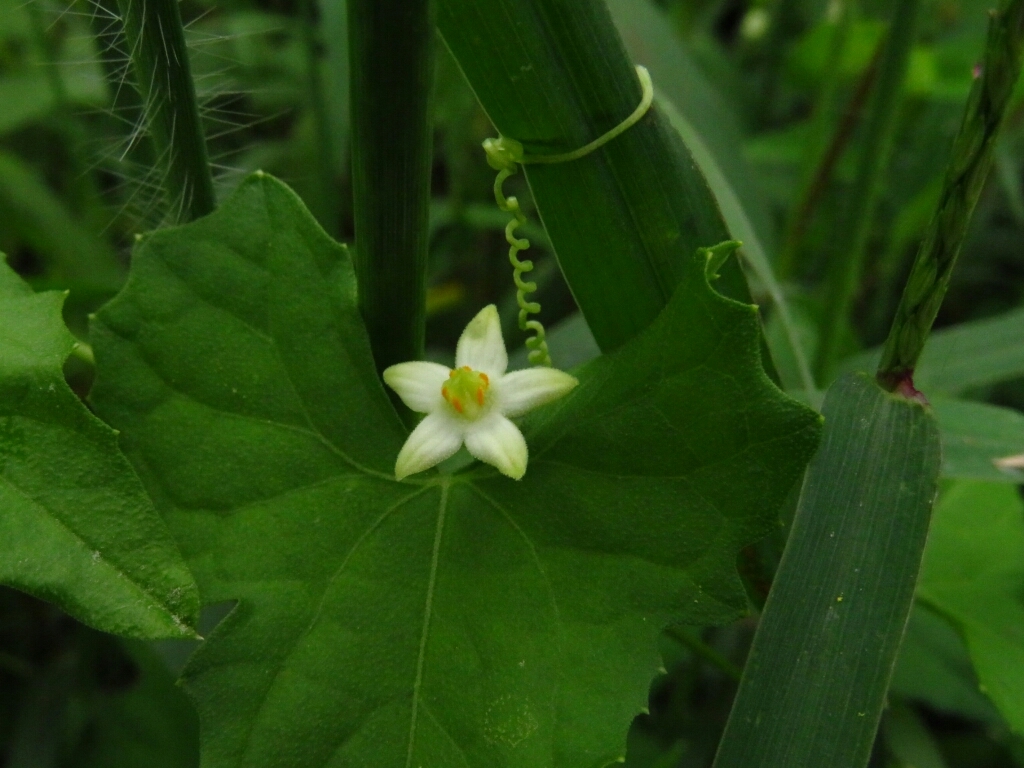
<point>427,610</point>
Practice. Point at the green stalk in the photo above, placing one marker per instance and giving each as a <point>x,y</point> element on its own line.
<point>845,270</point>
<point>159,58</point>
<point>971,160</point>
<point>391,65</point>
<point>328,202</point>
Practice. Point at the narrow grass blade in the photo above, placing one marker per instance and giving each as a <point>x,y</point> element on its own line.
<point>815,682</point>
<point>980,441</point>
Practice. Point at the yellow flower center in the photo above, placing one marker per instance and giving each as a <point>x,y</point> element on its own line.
<point>466,392</point>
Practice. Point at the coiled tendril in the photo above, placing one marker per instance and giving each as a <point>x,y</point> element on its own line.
<point>505,155</point>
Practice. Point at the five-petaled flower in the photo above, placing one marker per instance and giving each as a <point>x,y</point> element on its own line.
<point>471,404</point>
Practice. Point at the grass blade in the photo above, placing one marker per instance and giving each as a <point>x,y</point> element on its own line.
<point>753,252</point>
<point>625,219</point>
<point>815,682</point>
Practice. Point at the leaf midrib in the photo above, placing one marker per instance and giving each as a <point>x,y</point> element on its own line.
<point>442,510</point>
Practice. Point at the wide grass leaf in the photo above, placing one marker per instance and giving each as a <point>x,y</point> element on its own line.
<point>448,620</point>
<point>816,678</point>
<point>76,525</point>
<point>973,573</point>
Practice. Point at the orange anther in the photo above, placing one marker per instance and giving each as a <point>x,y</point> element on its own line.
<point>451,374</point>
<point>456,404</point>
<point>467,368</point>
<point>484,379</point>
<point>480,395</point>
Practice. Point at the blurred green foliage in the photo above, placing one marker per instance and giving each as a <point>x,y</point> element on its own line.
<point>778,108</point>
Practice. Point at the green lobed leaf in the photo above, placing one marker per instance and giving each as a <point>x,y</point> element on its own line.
<point>448,620</point>
<point>77,526</point>
<point>973,573</point>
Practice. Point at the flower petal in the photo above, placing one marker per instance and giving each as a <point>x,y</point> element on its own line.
<point>418,384</point>
<point>481,346</point>
<point>521,391</point>
<point>498,442</point>
<point>435,439</point>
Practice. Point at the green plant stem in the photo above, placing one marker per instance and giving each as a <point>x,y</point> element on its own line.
<point>969,164</point>
<point>391,64</point>
<point>160,61</point>
<point>327,163</point>
<point>847,264</point>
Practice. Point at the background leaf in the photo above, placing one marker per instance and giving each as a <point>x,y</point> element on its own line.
<point>975,435</point>
<point>973,573</point>
<point>934,667</point>
<point>447,620</point>
<point>151,724</point>
<point>77,526</point>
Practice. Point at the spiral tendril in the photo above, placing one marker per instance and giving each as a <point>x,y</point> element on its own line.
<point>505,155</point>
<point>537,345</point>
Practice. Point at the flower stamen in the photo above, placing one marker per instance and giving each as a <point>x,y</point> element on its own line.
<point>466,391</point>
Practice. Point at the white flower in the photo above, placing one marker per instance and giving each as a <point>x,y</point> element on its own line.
<point>471,403</point>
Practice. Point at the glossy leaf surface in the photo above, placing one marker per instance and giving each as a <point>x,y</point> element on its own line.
<point>76,525</point>
<point>462,620</point>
